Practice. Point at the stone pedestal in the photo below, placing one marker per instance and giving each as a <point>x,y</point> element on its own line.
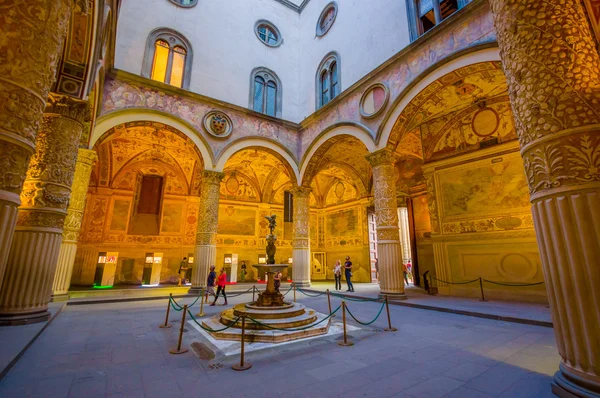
<point>553,73</point>
<point>301,238</point>
<point>34,32</point>
<point>389,253</point>
<point>31,264</point>
<point>205,253</point>
<point>68,247</point>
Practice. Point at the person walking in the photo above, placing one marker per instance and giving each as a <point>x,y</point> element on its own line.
<point>221,282</point>
<point>405,270</point>
<point>337,273</point>
<point>210,283</point>
<point>243,267</point>
<point>348,269</point>
<point>182,271</point>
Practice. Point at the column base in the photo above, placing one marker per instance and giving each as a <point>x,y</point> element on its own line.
<point>393,296</point>
<point>24,319</point>
<point>56,298</point>
<point>195,291</point>
<point>302,285</point>
<point>569,385</point>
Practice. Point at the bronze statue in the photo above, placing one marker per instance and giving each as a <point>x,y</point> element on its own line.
<point>272,223</point>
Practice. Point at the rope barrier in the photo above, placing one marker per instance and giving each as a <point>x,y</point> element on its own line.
<point>310,295</point>
<point>180,307</point>
<point>296,329</point>
<point>239,294</point>
<point>514,284</point>
<point>354,298</point>
<point>213,330</point>
<point>453,283</point>
<point>367,323</point>
<point>289,290</point>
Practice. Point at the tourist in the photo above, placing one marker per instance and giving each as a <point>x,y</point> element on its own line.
<point>210,283</point>
<point>243,267</point>
<point>409,271</point>
<point>405,270</point>
<point>277,280</point>
<point>337,273</point>
<point>221,282</point>
<point>182,271</point>
<point>348,268</point>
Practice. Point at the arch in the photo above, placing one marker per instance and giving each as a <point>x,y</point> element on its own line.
<point>107,122</point>
<point>353,129</point>
<point>482,53</point>
<point>177,40</point>
<point>332,59</point>
<point>272,147</point>
<point>268,76</point>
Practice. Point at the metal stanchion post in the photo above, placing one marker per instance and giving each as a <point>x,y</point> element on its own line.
<point>387,308</point>
<point>329,301</point>
<point>481,288</point>
<point>253,291</point>
<point>294,292</point>
<point>344,343</point>
<point>179,350</point>
<point>166,325</point>
<point>201,313</point>
<point>242,365</point>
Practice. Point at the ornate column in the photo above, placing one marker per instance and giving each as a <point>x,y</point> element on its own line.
<point>301,237</point>
<point>31,264</point>
<point>33,33</point>
<point>205,253</point>
<point>389,254</point>
<point>553,73</point>
<point>68,247</point>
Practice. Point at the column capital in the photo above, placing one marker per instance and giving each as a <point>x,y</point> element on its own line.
<point>382,157</point>
<point>212,177</point>
<point>86,156</point>
<point>301,191</point>
<point>66,106</point>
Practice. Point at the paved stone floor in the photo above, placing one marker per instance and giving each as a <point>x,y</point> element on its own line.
<point>117,350</point>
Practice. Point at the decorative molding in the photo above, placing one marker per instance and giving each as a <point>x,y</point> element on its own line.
<point>382,106</point>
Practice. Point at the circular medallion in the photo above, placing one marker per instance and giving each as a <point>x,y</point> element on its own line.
<point>485,122</point>
<point>374,100</point>
<point>218,124</point>
<point>339,190</point>
<point>232,185</point>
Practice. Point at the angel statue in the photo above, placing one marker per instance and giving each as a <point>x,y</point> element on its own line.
<point>272,223</point>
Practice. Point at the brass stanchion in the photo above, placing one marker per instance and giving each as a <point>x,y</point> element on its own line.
<point>253,291</point>
<point>242,365</point>
<point>179,350</point>
<point>166,325</point>
<point>481,288</point>
<point>294,292</point>
<point>329,302</point>
<point>387,308</point>
<point>344,343</point>
<point>201,313</point>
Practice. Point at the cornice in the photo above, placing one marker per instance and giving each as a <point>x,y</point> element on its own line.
<point>293,6</point>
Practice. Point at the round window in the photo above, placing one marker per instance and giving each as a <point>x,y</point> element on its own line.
<point>374,100</point>
<point>267,33</point>
<point>327,18</point>
<point>184,3</point>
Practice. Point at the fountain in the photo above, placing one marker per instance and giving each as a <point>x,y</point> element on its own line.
<point>269,309</point>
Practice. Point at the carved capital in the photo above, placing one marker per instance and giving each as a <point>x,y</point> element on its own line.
<point>301,191</point>
<point>212,177</point>
<point>382,157</point>
<point>59,104</point>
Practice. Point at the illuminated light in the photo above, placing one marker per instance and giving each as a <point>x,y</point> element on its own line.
<point>103,287</point>
<point>156,284</point>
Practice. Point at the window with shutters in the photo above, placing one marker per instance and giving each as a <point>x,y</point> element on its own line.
<point>265,92</point>
<point>426,14</point>
<point>168,58</point>
<point>328,79</point>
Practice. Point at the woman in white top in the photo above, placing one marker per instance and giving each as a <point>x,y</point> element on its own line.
<point>337,272</point>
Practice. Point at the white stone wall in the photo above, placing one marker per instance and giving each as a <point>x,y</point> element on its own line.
<point>225,48</point>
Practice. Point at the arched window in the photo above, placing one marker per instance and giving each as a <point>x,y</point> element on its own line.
<point>185,3</point>
<point>168,58</point>
<point>328,82</point>
<point>265,92</point>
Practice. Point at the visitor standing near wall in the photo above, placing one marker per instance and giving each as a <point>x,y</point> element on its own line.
<point>277,280</point>
<point>405,271</point>
<point>210,283</point>
<point>243,267</point>
<point>182,271</point>
<point>348,268</point>
<point>221,281</point>
<point>337,273</point>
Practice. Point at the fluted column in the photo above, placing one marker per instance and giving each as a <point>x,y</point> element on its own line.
<point>33,33</point>
<point>553,73</point>
<point>31,264</point>
<point>389,253</point>
<point>301,237</point>
<point>68,247</point>
<point>205,253</point>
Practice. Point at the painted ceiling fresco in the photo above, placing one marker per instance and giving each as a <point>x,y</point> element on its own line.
<point>455,114</point>
<point>131,149</point>
<point>256,175</point>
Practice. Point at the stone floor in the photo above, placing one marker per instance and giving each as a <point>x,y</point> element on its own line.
<point>117,350</point>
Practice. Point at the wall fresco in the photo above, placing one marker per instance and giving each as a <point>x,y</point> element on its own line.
<point>236,221</point>
<point>120,215</point>
<point>172,218</point>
